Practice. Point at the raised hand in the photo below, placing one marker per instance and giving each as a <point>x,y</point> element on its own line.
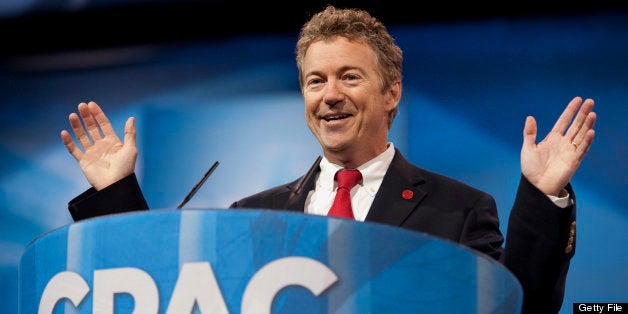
<point>103,158</point>
<point>550,164</point>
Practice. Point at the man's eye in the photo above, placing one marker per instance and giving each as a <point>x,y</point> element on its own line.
<point>314,81</point>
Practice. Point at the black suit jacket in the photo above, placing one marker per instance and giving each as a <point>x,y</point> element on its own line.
<point>541,236</point>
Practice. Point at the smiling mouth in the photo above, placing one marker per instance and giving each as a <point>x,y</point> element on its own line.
<point>335,117</point>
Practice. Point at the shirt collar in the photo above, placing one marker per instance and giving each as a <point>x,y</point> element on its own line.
<point>373,171</point>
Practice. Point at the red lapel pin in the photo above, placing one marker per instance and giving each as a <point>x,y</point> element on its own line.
<point>407,194</point>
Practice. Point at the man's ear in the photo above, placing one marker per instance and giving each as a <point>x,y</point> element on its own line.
<point>393,95</point>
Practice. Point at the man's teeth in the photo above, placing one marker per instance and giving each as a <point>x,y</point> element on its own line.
<point>338,117</point>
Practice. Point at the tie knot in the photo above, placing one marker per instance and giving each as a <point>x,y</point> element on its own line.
<point>348,178</point>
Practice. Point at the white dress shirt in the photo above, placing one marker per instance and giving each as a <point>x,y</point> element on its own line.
<point>319,200</point>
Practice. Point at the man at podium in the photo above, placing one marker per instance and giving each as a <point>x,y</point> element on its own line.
<point>350,73</point>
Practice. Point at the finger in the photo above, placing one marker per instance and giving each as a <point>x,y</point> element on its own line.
<point>574,132</point>
<point>529,132</point>
<point>130,132</point>
<point>102,120</point>
<point>585,145</point>
<point>79,131</point>
<point>69,144</point>
<point>587,125</point>
<point>585,137</point>
<point>565,118</point>
<point>90,122</point>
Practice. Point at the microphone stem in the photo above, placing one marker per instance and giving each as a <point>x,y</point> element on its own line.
<point>198,185</point>
<point>301,183</point>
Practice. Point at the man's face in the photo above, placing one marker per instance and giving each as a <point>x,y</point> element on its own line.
<point>344,106</point>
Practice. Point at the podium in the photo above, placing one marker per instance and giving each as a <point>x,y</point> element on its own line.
<point>255,261</point>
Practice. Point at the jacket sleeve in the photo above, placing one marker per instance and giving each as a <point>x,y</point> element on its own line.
<point>122,196</point>
<point>540,243</point>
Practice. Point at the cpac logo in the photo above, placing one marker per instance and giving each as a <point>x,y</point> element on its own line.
<point>196,284</point>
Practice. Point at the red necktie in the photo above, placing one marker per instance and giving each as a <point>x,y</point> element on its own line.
<point>347,179</point>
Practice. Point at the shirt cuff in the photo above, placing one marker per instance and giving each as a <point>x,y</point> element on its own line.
<point>561,202</point>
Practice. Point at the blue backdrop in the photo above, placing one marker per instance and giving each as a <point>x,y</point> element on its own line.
<point>468,87</point>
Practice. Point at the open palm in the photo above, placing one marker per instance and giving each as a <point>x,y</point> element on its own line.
<point>103,158</point>
<point>550,164</point>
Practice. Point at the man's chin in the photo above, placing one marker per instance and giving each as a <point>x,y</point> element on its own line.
<point>335,145</point>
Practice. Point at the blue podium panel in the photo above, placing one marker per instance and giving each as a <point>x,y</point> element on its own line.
<point>255,261</point>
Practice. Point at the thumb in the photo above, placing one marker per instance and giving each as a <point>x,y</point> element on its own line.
<point>130,132</point>
<point>529,133</point>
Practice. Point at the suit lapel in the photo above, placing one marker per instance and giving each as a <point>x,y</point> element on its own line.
<point>399,195</point>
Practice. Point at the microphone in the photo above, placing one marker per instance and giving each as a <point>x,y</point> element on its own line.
<point>198,185</point>
<point>305,178</point>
